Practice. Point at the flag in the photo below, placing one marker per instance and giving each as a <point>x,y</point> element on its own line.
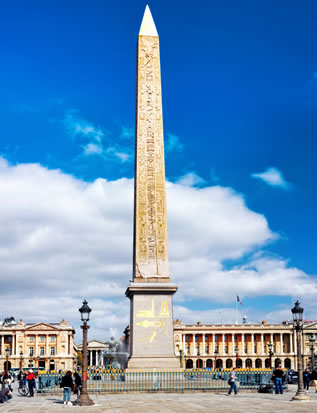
<point>239,301</point>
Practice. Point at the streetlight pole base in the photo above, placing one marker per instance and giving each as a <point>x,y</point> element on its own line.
<point>83,400</point>
<point>301,397</point>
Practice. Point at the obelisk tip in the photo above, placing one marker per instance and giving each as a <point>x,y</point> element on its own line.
<point>148,26</point>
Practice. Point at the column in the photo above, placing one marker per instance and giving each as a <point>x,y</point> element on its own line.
<point>222,344</point>
<point>2,345</point>
<point>242,343</point>
<point>291,342</point>
<point>232,339</point>
<point>262,344</point>
<point>184,343</point>
<point>203,352</point>
<point>281,343</point>
<point>35,344</point>
<point>252,343</point>
<point>272,341</point>
<point>46,344</point>
<point>13,345</point>
<point>194,345</point>
<point>90,357</point>
<point>213,343</point>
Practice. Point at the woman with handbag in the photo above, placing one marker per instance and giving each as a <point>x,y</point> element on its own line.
<point>232,382</point>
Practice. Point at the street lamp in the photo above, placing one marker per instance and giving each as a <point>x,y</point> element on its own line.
<point>84,399</point>
<point>312,344</point>
<point>21,360</point>
<point>7,359</point>
<point>297,312</point>
<point>38,364</point>
<point>270,346</point>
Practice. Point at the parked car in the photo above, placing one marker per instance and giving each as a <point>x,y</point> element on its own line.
<point>292,376</point>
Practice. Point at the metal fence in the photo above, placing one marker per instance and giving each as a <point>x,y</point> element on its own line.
<point>162,380</point>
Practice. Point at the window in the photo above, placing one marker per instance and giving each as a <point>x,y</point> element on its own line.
<point>31,351</point>
<point>52,351</point>
<point>216,350</point>
<point>196,339</point>
<point>31,338</point>
<point>235,338</point>
<point>42,338</point>
<point>10,339</point>
<point>225,337</point>
<point>53,338</point>
<point>197,349</point>
<point>186,337</point>
<point>41,351</point>
<point>206,337</point>
<point>245,349</point>
<point>225,349</point>
<point>206,349</point>
<point>255,349</point>
<point>216,337</point>
<point>236,348</point>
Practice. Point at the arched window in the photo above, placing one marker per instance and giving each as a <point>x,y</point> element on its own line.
<point>267,363</point>
<point>248,363</point>
<point>189,364</point>
<point>219,364</point>
<point>277,363</point>
<point>258,363</point>
<point>287,364</point>
<point>238,363</point>
<point>209,364</point>
<point>228,364</point>
<point>199,364</point>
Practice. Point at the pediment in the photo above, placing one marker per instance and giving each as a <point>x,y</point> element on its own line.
<point>311,326</point>
<point>97,343</point>
<point>42,326</point>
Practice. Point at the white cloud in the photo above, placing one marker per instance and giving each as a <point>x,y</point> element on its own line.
<point>173,143</point>
<point>126,133</point>
<point>92,149</point>
<point>273,177</point>
<point>191,179</point>
<point>63,239</point>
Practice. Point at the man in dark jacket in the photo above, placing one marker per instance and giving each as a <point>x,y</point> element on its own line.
<point>278,377</point>
<point>314,378</point>
<point>306,378</point>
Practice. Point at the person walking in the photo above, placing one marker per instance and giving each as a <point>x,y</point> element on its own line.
<point>306,378</point>
<point>77,384</point>
<point>67,384</point>
<point>278,377</point>
<point>232,382</point>
<point>31,382</point>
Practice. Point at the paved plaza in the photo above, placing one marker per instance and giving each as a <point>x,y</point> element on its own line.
<point>168,402</point>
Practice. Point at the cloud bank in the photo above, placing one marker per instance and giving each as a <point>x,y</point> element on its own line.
<point>63,239</point>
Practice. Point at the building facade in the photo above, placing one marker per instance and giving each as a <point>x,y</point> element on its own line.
<point>96,350</point>
<point>49,346</point>
<point>242,345</point>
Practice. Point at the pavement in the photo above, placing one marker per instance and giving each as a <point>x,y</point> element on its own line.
<point>193,402</point>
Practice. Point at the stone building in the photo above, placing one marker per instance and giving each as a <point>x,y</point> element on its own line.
<point>95,350</point>
<point>241,345</point>
<point>49,346</point>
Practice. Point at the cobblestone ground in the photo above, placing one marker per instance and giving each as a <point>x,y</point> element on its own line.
<point>168,402</point>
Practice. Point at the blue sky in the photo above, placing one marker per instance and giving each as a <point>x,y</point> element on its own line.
<point>239,91</point>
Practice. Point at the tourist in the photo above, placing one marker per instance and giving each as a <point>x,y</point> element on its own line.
<point>67,384</point>
<point>5,395</point>
<point>306,378</point>
<point>314,378</point>
<point>31,382</point>
<point>278,377</point>
<point>77,384</point>
<point>232,382</point>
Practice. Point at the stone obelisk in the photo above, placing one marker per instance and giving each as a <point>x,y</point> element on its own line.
<point>151,290</point>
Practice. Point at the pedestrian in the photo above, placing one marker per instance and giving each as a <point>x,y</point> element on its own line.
<point>306,378</point>
<point>7,380</point>
<point>67,384</point>
<point>232,382</point>
<point>314,378</point>
<point>77,384</point>
<point>5,395</point>
<point>31,382</point>
<point>278,377</point>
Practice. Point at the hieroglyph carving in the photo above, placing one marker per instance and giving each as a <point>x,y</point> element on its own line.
<point>150,250</point>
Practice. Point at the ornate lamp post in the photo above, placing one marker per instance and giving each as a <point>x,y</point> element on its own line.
<point>49,364</point>
<point>84,399</point>
<point>7,359</point>
<point>312,341</point>
<point>297,312</point>
<point>270,346</point>
<point>38,364</point>
<point>21,360</point>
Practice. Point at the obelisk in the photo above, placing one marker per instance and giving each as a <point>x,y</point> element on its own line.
<point>151,290</point>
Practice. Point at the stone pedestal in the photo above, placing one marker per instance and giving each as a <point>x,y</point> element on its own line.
<point>151,326</point>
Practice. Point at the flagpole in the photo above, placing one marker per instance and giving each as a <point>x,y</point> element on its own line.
<point>236,311</point>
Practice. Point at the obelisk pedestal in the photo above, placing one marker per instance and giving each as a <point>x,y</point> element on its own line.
<point>151,292</point>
